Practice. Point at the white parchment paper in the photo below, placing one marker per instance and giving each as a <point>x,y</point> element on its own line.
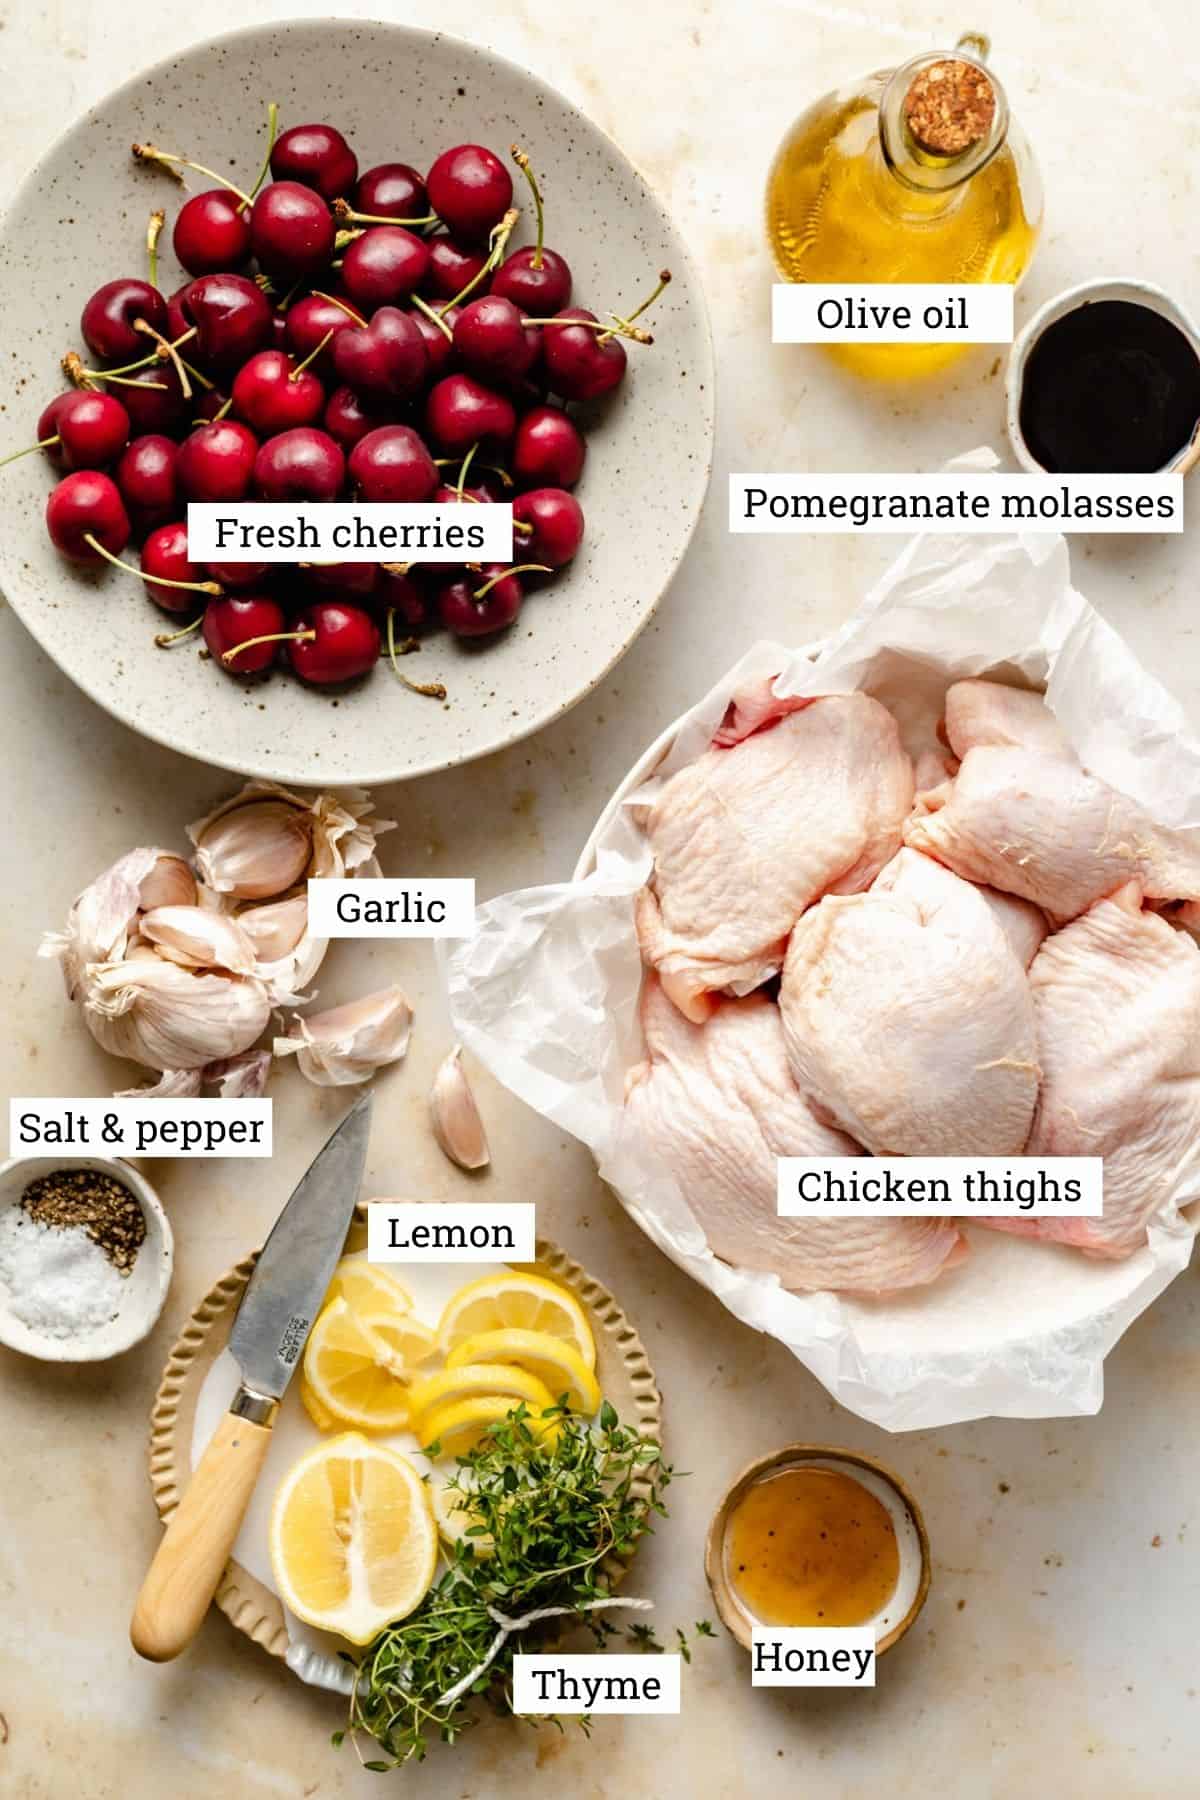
<point>545,994</point>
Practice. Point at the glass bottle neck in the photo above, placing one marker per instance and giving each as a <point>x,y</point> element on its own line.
<point>924,172</point>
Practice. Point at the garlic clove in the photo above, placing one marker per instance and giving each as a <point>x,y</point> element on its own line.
<point>348,1043</point>
<point>457,1125</point>
<point>172,1084</point>
<point>255,849</point>
<point>241,1077</point>
<point>101,919</point>
<point>276,928</point>
<point>167,1017</point>
<point>198,939</point>
<point>169,883</point>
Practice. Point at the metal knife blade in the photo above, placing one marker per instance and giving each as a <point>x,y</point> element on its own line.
<point>284,1294</point>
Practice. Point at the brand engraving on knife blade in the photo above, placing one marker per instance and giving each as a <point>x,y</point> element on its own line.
<point>292,1341</point>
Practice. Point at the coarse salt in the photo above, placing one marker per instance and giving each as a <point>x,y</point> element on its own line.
<point>58,1282</point>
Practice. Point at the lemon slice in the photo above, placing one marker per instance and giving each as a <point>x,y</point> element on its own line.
<point>353,1538</point>
<point>480,1378</point>
<point>553,1361</point>
<point>360,1368</point>
<point>455,1517</point>
<point>320,1415</point>
<point>367,1288</point>
<point>456,1427</point>
<point>527,1302</point>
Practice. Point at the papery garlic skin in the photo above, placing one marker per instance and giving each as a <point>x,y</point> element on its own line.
<point>348,1043</point>
<point>198,939</point>
<point>167,1017</point>
<point>100,921</point>
<point>241,1077</point>
<point>169,883</point>
<point>172,1084</point>
<point>454,1115</point>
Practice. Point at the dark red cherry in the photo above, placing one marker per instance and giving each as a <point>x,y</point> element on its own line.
<point>300,465</point>
<point>165,554</point>
<point>538,289</point>
<point>212,233</point>
<point>475,605</point>
<point>239,574</point>
<point>386,357</point>
<point>393,464</point>
<point>351,579</point>
<point>451,496</point>
<point>216,462</point>
<point>87,504</point>
<point>386,264</point>
<point>391,191</point>
<point>460,412</point>
<point>470,190</point>
<point>334,643</point>
<point>93,429</point>
<point>309,321</point>
<point>154,399</point>
<point>272,395</point>
<point>439,347</point>
<point>549,449</point>
<point>451,268</point>
<point>318,157</point>
<point>232,317</point>
<point>291,231</point>
<point>234,621</point>
<point>403,595</point>
<point>111,313</point>
<point>146,478</point>
<point>578,365</point>
<point>347,418</point>
<point>211,404</point>
<point>492,342</point>
<point>557,521</point>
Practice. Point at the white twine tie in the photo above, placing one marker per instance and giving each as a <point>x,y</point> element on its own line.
<point>509,1626</point>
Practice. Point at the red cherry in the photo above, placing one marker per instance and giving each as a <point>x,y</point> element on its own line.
<point>403,595</point>
<point>548,450</point>
<point>236,619</point>
<point>393,464</point>
<point>216,462</point>
<point>347,578</point>
<point>388,356</point>
<point>232,317</point>
<point>476,605</point>
<point>318,157</point>
<point>212,233</point>
<point>146,477</point>
<point>333,643</point>
<point>386,264</point>
<point>391,191</point>
<point>308,323</point>
<point>87,504</point>
<point>451,268</point>
<point>165,554</point>
<point>211,406</point>
<point>451,496</point>
<point>272,395</point>
<point>291,231</point>
<point>439,348</point>
<point>557,521</point>
<point>578,365</point>
<point>300,465</point>
<point>460,411</point>
<point>92,428</point>
<point>154,399</point>
<point>470,190</point>
<point>238,574</point>
<point>347,418</point>
<point>540,290</point>
<point>111,313</point>
<point>492,342</point>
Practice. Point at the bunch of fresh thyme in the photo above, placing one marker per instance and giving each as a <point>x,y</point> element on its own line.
<point>550,1513</point>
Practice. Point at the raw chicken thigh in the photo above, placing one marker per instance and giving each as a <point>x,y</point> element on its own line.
<point>908,1017</point>
<point>716,1103</point>
<point>1117,997</point>
<point>987,712</point>
<point>745,838</point>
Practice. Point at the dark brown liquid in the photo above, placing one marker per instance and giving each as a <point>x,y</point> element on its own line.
<point>1110,389</point>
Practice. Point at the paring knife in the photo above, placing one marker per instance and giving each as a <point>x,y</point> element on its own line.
<point>281,1301</point>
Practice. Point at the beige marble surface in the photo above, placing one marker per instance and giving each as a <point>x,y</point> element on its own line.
<point>1056,1653</point>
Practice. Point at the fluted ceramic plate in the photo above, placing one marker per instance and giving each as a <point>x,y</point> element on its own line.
<point>399,94</point>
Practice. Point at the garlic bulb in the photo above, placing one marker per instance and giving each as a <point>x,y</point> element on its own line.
<point>99,923</point>
<point>170,1018</point>
<point>275,929</point>
<point>169,883</point>
<point>196,938</point>
<point>348,1043</point>
<point>457,1125</point>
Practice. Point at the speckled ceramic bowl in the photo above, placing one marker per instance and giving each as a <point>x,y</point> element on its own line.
<point>399,94</point>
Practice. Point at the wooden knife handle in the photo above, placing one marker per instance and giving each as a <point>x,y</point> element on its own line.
<point>197,1543</point>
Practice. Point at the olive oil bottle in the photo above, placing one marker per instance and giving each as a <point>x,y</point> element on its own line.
<point>913,174</point>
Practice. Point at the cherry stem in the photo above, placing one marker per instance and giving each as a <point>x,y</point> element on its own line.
<point>430,313</point>
<point>343,239</point>
<point>499,238</point>
<point>197,375</point>
<point>517,569</point>
<point>663,281</point>
<point>520,526</point>
<point>347,309</point>
<point>168,349</point>
<point>158,219</point>
<point>72,367</point>
<point>164,639</point>
<point>272,130</point>
<point>622,328</point>
<point>273,637</point>
<point>432,689</point>
<point>522,162</point>
<point>463,467</point>
<point>342,209</point>
<point>395,568</point>
<point>168,160</point>
<point>43,444</point>
<point>196,587</point>
<point>312,356</point>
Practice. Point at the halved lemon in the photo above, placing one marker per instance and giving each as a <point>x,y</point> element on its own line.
<point>458,1426</point>
<point>361,1367</point>
<point>526,1302</point>
<point>353,1538</point>
<point>480,1378</point>
<point>367,1288</point>
<point>555,1363</point>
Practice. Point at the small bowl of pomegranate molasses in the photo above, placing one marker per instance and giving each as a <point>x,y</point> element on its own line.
<point>816,1536</point>
<point>1105,380</point>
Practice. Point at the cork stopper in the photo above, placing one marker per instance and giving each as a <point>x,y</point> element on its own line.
<point>949,107</point>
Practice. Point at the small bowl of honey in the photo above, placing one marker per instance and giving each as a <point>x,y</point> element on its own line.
<point>818,1536</point>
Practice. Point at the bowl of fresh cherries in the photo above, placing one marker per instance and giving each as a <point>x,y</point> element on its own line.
<point>330,261</point>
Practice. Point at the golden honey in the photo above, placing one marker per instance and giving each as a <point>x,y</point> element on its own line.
<point>811,1546</point>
